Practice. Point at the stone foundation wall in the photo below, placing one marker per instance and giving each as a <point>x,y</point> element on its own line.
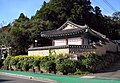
<point>109,46</point>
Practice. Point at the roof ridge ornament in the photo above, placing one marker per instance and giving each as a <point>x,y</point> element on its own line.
<point>86,25</point>
<point>70,22</point>
<point>86,30</point>
<point>68,19</point>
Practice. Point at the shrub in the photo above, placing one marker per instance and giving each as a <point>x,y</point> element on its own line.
<point>62,56</point>
<point>79,72</point>
<point>1,62</point>
<point>19,65</point>
<point>31,62</point>
<point>25,66</point>
<point>89,64</point>
<point>7,61</point>
<point>36,62</point>
<point>92,62</point>
<point>66,66</point>
<point>13,61</point>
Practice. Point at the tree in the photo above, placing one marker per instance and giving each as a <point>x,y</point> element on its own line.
<point>19,40</point>
<point>36,27</point>
<point>5,39</point>
<point>4,35</point>
<point>22,21</point>
<point>116,24</point>
<point>116,17</point>
<point>56,12</point>
<point>100,20</point>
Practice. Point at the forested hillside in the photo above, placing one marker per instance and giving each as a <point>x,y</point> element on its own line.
<point>22,33</point>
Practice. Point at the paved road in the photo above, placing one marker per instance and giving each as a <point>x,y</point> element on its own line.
<point>113,72</point>
<point>11,79</point>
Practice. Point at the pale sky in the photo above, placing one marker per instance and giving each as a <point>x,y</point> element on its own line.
<point>109,7</point>
<point>11,9</point>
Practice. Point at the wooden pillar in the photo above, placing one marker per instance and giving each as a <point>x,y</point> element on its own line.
<point>82,41</point>
<point>66,41</point>
<point>53,43</point>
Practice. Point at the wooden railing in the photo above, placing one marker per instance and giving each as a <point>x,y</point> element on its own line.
<point>82,46</point>
<point>63,47</point>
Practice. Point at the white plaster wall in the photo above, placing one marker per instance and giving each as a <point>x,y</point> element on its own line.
<point>75,41</point>
<point>46,52</point>
<point>38,53</point>
<point>69,26</point>
<point>60,42</point>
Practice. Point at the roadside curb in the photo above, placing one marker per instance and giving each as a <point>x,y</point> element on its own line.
<point>29,77</point>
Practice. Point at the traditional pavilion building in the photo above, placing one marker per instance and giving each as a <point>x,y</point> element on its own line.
<point>75,39</point>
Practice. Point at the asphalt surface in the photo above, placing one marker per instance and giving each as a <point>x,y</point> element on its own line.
<point>7,76</point>
<point>113,72</point>
<point>13,79</point>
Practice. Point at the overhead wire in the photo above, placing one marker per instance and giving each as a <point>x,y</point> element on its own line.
<point>108,4</point>
<point>101,6</point>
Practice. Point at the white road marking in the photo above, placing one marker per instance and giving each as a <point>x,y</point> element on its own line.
<point>88,77</point>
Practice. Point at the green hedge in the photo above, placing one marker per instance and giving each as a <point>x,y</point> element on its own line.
<point>89,62</point>
<point>94,63</point>
<point>66,66</point>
